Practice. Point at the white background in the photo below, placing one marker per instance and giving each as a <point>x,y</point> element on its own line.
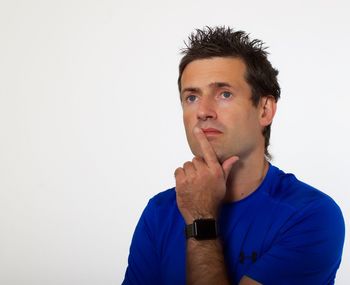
<point>91,126</point>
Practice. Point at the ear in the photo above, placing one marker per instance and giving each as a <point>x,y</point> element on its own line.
<point>267,106</point>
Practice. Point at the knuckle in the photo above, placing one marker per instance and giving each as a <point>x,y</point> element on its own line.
<point>177,171</point>
<point>180,182</point>
<point>197,160</point>
<point>180,178</point>
<point>191,179</point>
<point>187,164</point>
<point>178,175</point>
<point>217,172</point>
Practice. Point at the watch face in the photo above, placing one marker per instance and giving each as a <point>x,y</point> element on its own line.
<point>205,229</point>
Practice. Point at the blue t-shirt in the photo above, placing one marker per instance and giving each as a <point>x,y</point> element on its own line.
<point>286,232</point>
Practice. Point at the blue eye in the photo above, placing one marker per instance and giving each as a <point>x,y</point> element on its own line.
<point>226,95</point>
<point>191,98</point>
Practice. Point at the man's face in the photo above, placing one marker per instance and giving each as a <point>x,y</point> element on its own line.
<point>216,98</point>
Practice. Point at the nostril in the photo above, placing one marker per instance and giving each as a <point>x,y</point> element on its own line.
<point>206,114</point>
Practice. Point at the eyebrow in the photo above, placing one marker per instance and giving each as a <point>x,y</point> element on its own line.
<point>219,85</point>
<point>189,89</point>
<point>211,85</point>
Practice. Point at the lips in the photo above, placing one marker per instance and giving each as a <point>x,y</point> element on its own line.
<point>211,131</point>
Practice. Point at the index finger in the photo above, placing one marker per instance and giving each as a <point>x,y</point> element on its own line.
<point>209,154</point>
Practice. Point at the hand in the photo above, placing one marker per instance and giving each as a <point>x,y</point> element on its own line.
<point>201,184</point>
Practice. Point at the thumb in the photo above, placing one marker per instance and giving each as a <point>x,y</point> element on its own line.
<point>228,163</point>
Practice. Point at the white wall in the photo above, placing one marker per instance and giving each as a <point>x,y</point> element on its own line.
<point>90,123</point>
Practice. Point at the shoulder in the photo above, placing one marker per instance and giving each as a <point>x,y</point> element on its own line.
<point>162,206</point>
<point>286,189</point>
<point>163,202</point>
<point>309,209</point>
<point>165,198</point>
<point>309,233</point>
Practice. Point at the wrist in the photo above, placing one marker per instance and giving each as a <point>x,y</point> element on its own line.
<point>191,217</point>
<point>202,229</point>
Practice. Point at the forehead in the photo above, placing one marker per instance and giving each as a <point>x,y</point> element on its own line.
<point>200,73</point>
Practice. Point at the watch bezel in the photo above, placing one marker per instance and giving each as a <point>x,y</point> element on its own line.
<point>202,229</point>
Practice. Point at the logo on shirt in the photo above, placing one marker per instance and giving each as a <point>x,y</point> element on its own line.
<point>253,257</point>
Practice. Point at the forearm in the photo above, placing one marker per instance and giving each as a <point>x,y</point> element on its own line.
<point>205,263</point>
<point>200,190</point>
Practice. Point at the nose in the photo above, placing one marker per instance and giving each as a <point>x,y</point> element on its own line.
<point>206,109</point>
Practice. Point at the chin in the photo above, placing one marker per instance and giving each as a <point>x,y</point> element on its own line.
<point>222,158</point>
<point>220,153</point>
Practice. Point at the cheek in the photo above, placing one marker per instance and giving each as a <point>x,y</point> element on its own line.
<point>188,120</point>
<point>188,124</point>
<point>238,126</point>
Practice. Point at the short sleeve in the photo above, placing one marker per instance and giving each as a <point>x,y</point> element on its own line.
<point>143,257</point>
<point>308,249</point>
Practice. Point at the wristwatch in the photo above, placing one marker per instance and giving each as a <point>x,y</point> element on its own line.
<point>202,229</point>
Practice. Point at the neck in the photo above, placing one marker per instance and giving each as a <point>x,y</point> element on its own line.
<point>245,177</point>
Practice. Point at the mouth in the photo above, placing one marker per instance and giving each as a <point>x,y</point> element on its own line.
<point>211,132</point>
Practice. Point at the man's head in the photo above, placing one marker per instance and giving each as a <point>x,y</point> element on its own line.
<point>224,43</point>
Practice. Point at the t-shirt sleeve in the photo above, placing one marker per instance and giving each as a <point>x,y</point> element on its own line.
<point>143,256</point>
<point>308,249</point>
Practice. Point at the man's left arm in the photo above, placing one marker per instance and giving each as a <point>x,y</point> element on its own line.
<point>308,250</point>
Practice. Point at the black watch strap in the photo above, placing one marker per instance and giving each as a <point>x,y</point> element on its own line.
<point>202,229</point>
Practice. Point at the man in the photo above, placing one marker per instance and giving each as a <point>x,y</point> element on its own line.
<point>233,218</point>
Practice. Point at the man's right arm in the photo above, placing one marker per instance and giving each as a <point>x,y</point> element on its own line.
<point>205,263</point>
<point>200,189</point>
<point>142,261</point>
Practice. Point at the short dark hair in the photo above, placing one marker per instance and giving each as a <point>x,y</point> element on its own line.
<point>225,42</point>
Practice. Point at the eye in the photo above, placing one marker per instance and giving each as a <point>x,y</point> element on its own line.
<point>226,95</point>
<point>191,98</point>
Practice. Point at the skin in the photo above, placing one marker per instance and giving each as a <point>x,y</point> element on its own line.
<point>228,165</point>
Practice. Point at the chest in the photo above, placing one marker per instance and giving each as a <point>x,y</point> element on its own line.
<point>245,235</point>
